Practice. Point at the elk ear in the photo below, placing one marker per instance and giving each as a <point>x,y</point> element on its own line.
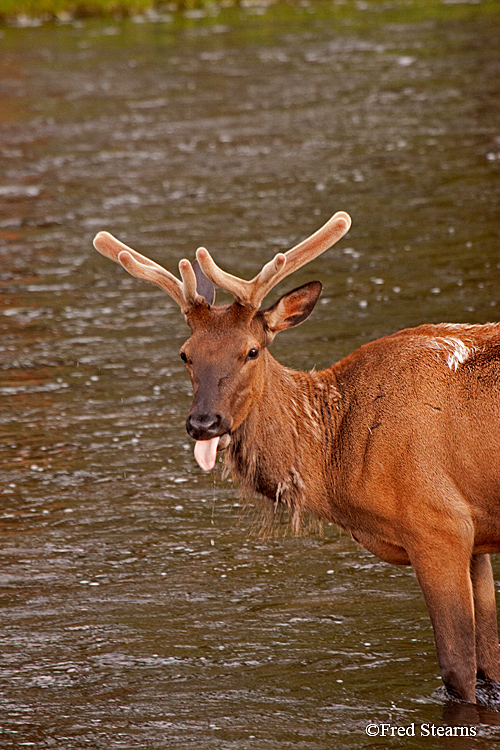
<point>293,308</point>
<point>204,286</point>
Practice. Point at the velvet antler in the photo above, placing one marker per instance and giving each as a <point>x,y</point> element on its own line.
<point>252,293</point>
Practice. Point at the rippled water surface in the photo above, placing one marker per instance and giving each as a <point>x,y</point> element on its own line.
<point>140,608</point>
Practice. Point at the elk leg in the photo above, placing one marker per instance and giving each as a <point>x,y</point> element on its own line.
<point>445,581</point>
<point>487,651</point>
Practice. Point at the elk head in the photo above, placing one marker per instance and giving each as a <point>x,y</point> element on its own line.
<point>226,355</point>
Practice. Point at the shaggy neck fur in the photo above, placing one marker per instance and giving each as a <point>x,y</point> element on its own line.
<point>288,435</point>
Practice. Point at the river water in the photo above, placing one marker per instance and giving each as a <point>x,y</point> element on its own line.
<point>140,606</point>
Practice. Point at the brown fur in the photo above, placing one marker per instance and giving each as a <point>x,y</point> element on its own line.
<point>398,443</point>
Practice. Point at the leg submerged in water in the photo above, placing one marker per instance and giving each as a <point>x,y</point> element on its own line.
<point>486,630</point>
<point>445,580</point>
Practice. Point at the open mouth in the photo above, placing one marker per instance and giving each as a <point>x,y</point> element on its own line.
<point>205,451</point>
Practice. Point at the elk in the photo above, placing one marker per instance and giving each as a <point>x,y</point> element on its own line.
<point>397,443</point>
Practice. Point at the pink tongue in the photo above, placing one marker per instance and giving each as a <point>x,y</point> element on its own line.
<point>205,452</point>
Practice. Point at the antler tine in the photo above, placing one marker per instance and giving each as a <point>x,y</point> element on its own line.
<point>138,265</point>
<point>189,283</point>
<point>224,280</point>
<point>252,293</point>
<point>183,292</point>
<point>312,247</point>
<point>245,292</point>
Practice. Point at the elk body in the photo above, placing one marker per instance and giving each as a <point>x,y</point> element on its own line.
<point>398,443</point>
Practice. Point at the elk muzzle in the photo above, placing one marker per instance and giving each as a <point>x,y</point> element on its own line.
<point>202,426</point>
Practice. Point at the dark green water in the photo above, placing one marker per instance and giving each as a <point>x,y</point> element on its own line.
<point>139,606</point>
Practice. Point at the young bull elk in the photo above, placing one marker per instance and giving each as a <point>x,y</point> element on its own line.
<point>398,443</point>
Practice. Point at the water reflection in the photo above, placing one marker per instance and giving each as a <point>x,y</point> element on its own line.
<point>139,606</point>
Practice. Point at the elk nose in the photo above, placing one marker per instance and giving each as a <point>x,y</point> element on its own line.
<point>203,426</point>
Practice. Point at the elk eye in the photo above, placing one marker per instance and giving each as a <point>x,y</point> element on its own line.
<point>253,354</point>
<point>184,357</point>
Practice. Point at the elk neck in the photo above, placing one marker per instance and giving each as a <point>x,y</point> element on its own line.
<point>285,449</point>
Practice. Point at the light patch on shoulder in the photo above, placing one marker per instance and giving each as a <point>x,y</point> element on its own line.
<point>453,348</point>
